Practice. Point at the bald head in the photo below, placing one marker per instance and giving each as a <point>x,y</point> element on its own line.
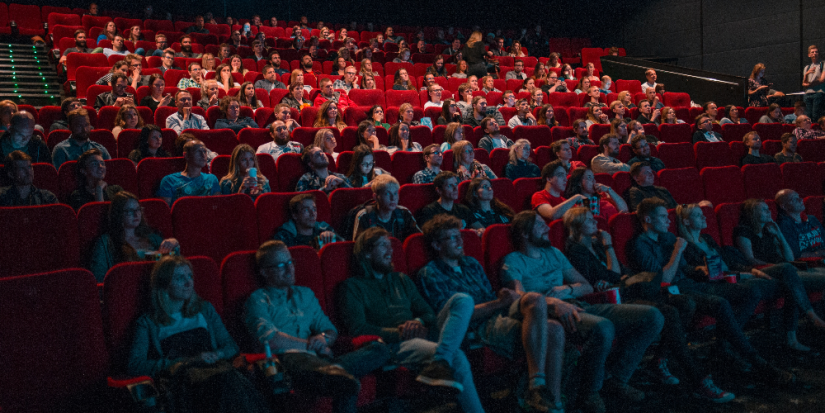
<point>789,201</point>
<point>22,125</point>
<point>22,118</point>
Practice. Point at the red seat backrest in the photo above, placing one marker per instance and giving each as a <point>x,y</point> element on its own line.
<point>723,184</point>
<point>539,135</point>
<point>396,98</point>
<point>623,227</point>
<point>290,169</point>
<point>232,225</point>
<point>677,100</point>
<point>342,200</point>
<point>811,150</point>
<point>734,132</point>
<point>713,154</point>
<point>496,244</point>
<point>367,98</point>
<point>762,181</point>
<point>803,177</point>
<point>416,196</point>
<point>37,230</point>
<point>222,141</point>
<point>524,190</point>
<point>769,131</point>
<point>406,164</point>
<point>684,184</point>
<point>677,155</point>
<point>675,133</point>
<point>150,171</point>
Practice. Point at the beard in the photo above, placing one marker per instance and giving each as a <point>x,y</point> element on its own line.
<point>539,242</point>
<point>80,44</point>
<point>308,65</point>
<point>186,49</point>
<point>381,267</point>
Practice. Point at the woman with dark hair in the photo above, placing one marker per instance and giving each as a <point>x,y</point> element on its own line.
<point>376,115</point>
<point>339,66</point>
<point>148,145</point>
<point>772,115</point>
<point>295,99</point>
<point>109,32</point>
<point>437,69</point>
<point>368,82</point>
<point>520,164</point>
<point>403,56</point>
<point>127,117</point>
<point>240,178</point>
<point>129,237</point>
<point>619,127</point>
<point>595,115</point>
<point>583,86</point>
<point>400,139</point>
<point>156,97</point>
<point>449,112</point>
<point>732,112</point>
<point>402,80</point>
<point>329,116</point>
<point>461,69</point>
<point>601,199</point>
<point>68,105</point>
<point>452,134</point>
<point>236,65</point>
<point>223,75</point>
<point>90,170</point>
<point>759,90</point>
<point>486,208</point>
<point>247,96</point>
<point>362,168</point>
<point>567,72</point>
<point>366,136</point>
<point>183,338</point>
<point>231,110</point>
<point>547,116</point>
<point>591,253</point>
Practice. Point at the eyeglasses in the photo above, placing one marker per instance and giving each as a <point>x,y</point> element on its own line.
<point>367,164</point>
<point>436,153</point>
<point>279,266</point>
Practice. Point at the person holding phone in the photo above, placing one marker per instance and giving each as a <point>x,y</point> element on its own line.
<point>156,96</point>
<point>118,96</point>
<point>760,91</point>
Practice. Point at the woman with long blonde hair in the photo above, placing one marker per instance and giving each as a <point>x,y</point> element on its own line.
<point>474,53</point>
<point>325,139</point>
<point>329,116</point>
<point>240,179</point>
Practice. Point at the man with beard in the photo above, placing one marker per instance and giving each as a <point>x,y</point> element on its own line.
<point>754,144</point>
<point>270,80</point>
<point>78,142</point>
<point>280,141</point>
<point>235,39</point>
<point>184,118</point>
<point>18,167</point>
<point>275,62</point>
<point>118,96</point>
<point>306,64</point>
<point>79,45</point>
<point>606,161</point>
<point>20,137</point>
<point>192,181</point>
<point>186,47</point>
<point>197,27</point>
<point>319,176</point>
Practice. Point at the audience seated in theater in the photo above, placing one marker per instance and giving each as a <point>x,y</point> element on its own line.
<point>520,164</point>
<point>446,185</point>
<point>538,267</point>
<point>547,116</point>
<point>704,130</point>
<point>567,72</point>
<point>362,168</point>
<point>182,334</point>
<point>595,115</point>
<point>118,96</point>
<point>580,132</point>
<point>669,117</point>
<point>646,113</point>
<point>563,152</point>
<point>553,84</point>
<point>156,96</point>
<point>20,137</point>
<point>128,238</point>
<point>455,47</point>
<point>607,82</point>
<point>583,86</point>
<point>127,117</point>
<point>319,176</point>
<point>529,86</point>
<point>223,76</point>
<point>240,177</point>
<point>600,199</point>
<point>384,212</point>
<point>450,112</point>
<point>376,115</point>
<point>658,251</point>
<point>66,106</point>
<point>479,112</point>
<point>643,188</point>
<point>788,152</point>
<point>549,202</point>
<point>760,91</point>
<point>79,46</point>
<point>417,337</point>
<point>508,100</point>
<point>197,27</point>
<point>367,137</point>
<point>465,164</point>
<point>772,115</point>
<point>590,73</point>
<point>488,83</point>
<point>184,118</point>
<point>503,319</point>
<point>78,142</point>
<point>606,161</point>
<point>209,94</point>
<point>492,138</point>
<point>231,110</point>
<point>328,93</point>
<point>280,141</point>
<point>803,232</point>
<point>437,69</point>
<point>627,99</point>
<point>148,145</point>
<point>400,139</point>
<point>303,227</point>
<point>753,142</point>
<point>536,98</point>
<point>21,192</point>
<point>167,60</point>
<point>295,99</point>
<point>247,97</point>
<point>651,97</point>
<point>485,207</point>
<point>641,152</point>
<point>90,171</point>
<point>406,114</point>
<point>367,82</point>
<point>434,92</point>
<point>594,94</point>
<point>465,99</point>
<point>733,116</point>
<point>517,72</point>
<point>161,47</point>
<point>348,82</point>
<point>650,75</point>
<point>118,47</point>
<point>186,48</point>
<point>402,80</point>
<point>192,181</point>
<point>305,352</point>
<point>798,110</point>
<point>195,78</point>
<point>325,140</point>
<point>803,129</point>
<point>432,157</point>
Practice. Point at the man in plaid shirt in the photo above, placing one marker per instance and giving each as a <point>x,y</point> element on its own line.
<point>319,177</point>
<point>433,158</point>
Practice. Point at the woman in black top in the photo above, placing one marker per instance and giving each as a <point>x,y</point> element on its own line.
<point>148,145</point>
<point>449,113</point>
<point>520,164</point>
<point>155,97</point>
<point>474,52</point>
<point>591,253</point>
<point>486,208</point>
<point>91,187</point>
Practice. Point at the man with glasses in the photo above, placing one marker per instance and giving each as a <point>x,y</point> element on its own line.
<point>303,227</point>
<point>704,130</point>
<point>328,93</point>
<point>517,72</point>
<point>195,77</point>
<point>168,61</point>
<point>270,80</point>
<point>433,157</point>
<point>192,181</point>
<point>22,192</point>
<point>804,130</point>
<point>349,81</point>
<point>161,44</point>
<point>136,77</point>
<point>554,84</point>
<point>117,96</point>
<point>288,319</point>
<point>280,140</point>
<point>397,220</point>
<point>435,91</point>
<point>184,118</point>
<point>235,39</point>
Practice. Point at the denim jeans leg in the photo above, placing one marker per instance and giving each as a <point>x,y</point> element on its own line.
<point>596,334</point>
<point>453,321</point>
<point>636,326</point>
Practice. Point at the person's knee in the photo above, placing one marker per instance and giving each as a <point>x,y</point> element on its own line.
<point>461,302</point>
<point>534,304</point>
<point>654,319</point>
<point>603,331</point>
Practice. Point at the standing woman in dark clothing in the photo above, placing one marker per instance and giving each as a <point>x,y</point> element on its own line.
<point>473,52</point>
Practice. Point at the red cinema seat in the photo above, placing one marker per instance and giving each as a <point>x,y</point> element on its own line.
<point>290,169</point>
<point>406,164</point>
<point>814,206</point>
<point>254,137</point>
<point>762,181</point>
<point>416,196</point>
<point>734,132</point>
<point>685,184</point>
<point>150,171</point>
<point>232,225</point>
<point>558,133</point>
<point>222,141</point>
<point>752,114</point>
<point>367,98</point>
<point>586,153</point>
<point>713,154</point>
<point>803,177</point>
<point>537,135</point>
<point>677,100</point>
<point>727,215</point>
<point>499,158</point>
<point>563,100</point>
<point>37,230</point>
<point>95,21</point>
<point>678,133</point>
<point>41,314</point>
<point>769,131</point>
<point>421,134</point>
<point>676,155</point>
<point>27,18</point>
<point>596,131</point>
<point>392,116</point>
<point>623,227</point>
<point>396,98</point>
<point>341,201</point>
<point>305,135</point>
<point>61,18</point>
<point>354,115</point>
<point>524,190</point>
<point>76,60</point>
<point>723,184</point>
<point>632,86</point>
<point>496,244</point>
<point>811,150</point>
<point>239,279</point>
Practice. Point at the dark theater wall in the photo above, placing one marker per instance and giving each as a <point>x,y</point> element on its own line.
<point>729,37</point>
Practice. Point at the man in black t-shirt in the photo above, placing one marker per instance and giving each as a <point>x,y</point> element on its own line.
<point>446,184</point>
<point>754,144</point>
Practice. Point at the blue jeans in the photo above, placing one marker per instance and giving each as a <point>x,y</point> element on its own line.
<point>453,321</point>
<point>633,326</point>
<point>815,105</point>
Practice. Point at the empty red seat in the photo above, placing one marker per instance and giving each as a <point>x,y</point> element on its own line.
<point>53,337</point>
<point>814,206</point>
<point>76,60</point>
<point>95,21</point>
<point>222,141</point>
<point>596,131</point>
<point>524,189</point>
<point>623,227</point>
<point>398,97</point>
<point>539,135</point>
<point>675,133</point>
<point>709,154</point>
<point>632,86</point>
<point>734,132</point>
<point>563,100</point>
<point>496,243</point>
<point>27,18</point>
<point>290,169</point>
<point>676,155</point>
<point>769,131</point>
<point>231,225</point>
<point>752,114</point>
<point>723,184</point>
<point>811,150</point>
<point>406,164</point>
<point>65,19</point>
<point>150,171</point>
<point>367,98</point>
<point>586,153</point>
<point>416,196</point>
<point>677,100</point>
<point>684,184</point>
<point>802,177</point>
<point>762,181</point>
<point>36,231</point>
<point>341,201</point>
<point>558,133</point>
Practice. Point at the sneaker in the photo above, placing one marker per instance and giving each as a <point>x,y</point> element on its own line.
<point>335,381</point>
<point>708,391</point>
<point>593,403</point>
<point>439,373</point>
<point>534,401</point>
<point>662,373</point>
<point>623,390</point>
